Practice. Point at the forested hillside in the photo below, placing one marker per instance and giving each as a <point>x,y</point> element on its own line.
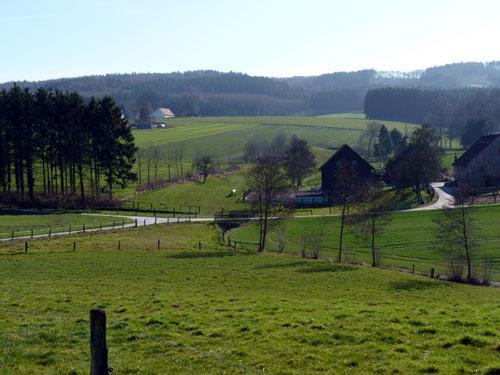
<point>211,93</point>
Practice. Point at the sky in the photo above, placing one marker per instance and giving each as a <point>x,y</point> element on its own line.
<point>43,39</point>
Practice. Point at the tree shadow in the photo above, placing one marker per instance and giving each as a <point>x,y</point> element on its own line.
<point>312,268</point>
<point>281,265</point>
<point>203,254</point>
<point>416,285</point>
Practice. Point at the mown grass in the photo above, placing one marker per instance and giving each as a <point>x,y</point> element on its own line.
<point>211,311</point>
<point>22,224</point>
<point>222,136</point>
<point>408,240</point>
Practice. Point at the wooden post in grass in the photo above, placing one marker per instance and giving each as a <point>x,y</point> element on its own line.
<point>155,218</point>
<point>136,223</point>
<point>123,223</point>
<point>83,228</point>
<point>12,235</point>
<point>100,226</point>
<point>74,246</point>
<point>144,222</point>
<point>69,229</point>
<point>50,231</point>
<point>113,224</point>
<point>412,268</point>
<point>119,245</point>
<point>158,244</point>
<point>98,347</point>
<point>432,273</point>
<point>199,245</point>
<point>32,233</point>
<point>26,247</point>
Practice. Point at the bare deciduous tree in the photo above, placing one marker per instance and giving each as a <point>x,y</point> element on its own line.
<point>455,235</point>
<point>266,179</point>
<point>373,216</point>
<point>203,164</point>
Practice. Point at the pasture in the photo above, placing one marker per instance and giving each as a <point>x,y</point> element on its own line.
<point>42,223</point>
<point>409,239</point>
<point>184,310</point>
<point>223,136</point>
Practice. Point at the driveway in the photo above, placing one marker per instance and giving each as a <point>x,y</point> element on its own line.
<point>445,199</point>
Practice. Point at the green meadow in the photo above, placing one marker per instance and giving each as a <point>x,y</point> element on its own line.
<point>223,136</point>
<point>409,239</point>
<point>184,310</point>
<point>22,224</point>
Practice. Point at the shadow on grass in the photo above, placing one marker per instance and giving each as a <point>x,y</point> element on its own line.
<point>416,285</point>
<point>282,265</point>
<point>310,267</point>
<point>204,254</point>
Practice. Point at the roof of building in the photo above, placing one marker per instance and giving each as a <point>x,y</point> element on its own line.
<point>345,152</point>
<point>165,112</point>
<point>475,149</point>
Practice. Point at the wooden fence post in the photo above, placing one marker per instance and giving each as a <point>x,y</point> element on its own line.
<point>26,247</point>
<point>74,246</point>
<point>199,245</point>
<point>136,223</point>
<point>98,347</point>
<point>119,245</point>
<point>432,273</point>
<point>50,231</point>
<point>83,228</point>
<point>32,233</point>
<point>144,222</point>
<point>412,268</point>
<point>12,235</point>
<point>69,229</point>
<point>123,223</point>
<point>113,224</point>
<point>158,244</point>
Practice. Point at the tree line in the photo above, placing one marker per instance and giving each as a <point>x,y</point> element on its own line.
<point>57,147</point>
<point>456,113</point>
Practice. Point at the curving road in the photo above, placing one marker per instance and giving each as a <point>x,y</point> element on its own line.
<point>445,199</point>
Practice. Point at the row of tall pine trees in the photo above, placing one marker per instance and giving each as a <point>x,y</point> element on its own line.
<point>57,147</point>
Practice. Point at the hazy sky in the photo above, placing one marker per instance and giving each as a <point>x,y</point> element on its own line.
<point>42,39</point>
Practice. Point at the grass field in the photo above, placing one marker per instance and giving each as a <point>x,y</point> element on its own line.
<point>222,136</point>
<point>22,225</point>
<point>407,240</point>
<point>189,311</point>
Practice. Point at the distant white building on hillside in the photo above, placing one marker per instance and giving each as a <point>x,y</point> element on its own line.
<point>161,113</point>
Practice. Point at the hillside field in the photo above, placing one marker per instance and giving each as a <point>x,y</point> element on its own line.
<point>222,136</point>
<point>409,239</point>
<point>22,224</point>
<point>188,311</point>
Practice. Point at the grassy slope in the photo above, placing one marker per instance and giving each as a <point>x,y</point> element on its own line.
<point>227,135</point>
<point>221,136</point>
<point>407,240</point>
<point>210,312</point>
<point>22,224</point>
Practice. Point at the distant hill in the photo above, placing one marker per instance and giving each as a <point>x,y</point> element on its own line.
<point>207,92</point>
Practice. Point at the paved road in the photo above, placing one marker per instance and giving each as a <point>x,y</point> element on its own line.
<point>445,199</point>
